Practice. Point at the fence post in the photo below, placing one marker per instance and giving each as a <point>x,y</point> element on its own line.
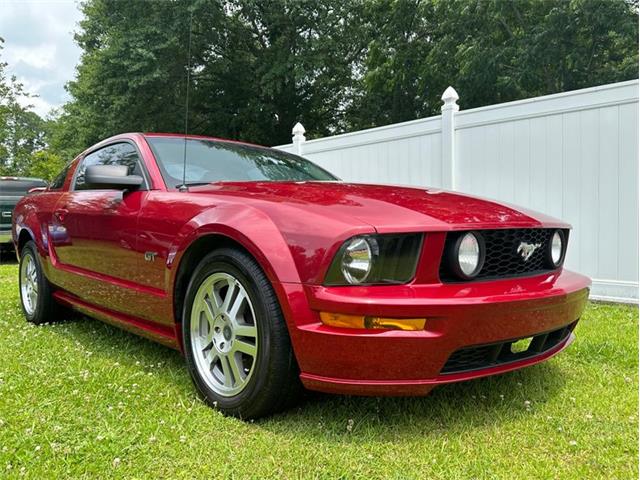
<point>449,109</point>
<point>298,138</point>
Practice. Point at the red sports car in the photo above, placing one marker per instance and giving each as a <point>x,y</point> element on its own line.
<point>270,274</point>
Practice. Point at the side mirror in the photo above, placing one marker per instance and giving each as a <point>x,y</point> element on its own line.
<point>111,176</point>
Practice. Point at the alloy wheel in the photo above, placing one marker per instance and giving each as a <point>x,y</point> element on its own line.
<point>29,283</point>
<point>224,334</point>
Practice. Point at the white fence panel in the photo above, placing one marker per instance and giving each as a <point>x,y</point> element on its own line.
<point>572,155</point>
<point>390,154</point>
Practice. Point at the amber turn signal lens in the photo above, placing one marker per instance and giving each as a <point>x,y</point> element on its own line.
<point>361,321</point>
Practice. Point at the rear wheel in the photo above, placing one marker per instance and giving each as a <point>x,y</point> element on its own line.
<point>236,341</point>
<point>36,296</point>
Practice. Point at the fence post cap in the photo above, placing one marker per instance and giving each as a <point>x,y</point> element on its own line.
<point>450,95</point>
<point>298,129</point>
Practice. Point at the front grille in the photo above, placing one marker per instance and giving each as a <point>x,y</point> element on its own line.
<point>485,356</point>
<point>502,259</point>
<point>5,216</point>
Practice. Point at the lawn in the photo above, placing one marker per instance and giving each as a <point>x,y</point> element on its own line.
<point>82,399</point>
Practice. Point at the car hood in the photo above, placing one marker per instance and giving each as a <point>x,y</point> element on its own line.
<point>387,208</point>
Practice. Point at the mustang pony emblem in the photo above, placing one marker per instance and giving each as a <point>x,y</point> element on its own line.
<point>526,249</point>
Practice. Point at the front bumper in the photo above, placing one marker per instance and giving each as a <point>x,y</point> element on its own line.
<point>393,362</point>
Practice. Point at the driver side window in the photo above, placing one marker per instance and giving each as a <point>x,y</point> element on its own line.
<point>116,154</point>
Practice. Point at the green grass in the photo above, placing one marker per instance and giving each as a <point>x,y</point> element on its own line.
<point>82,399</point>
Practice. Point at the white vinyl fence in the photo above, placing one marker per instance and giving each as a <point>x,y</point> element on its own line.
<point>573,155</point>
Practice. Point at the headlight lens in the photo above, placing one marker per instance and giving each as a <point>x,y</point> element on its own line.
<point>557,248</point>
<point>375,259</point>
<point>357,259</point>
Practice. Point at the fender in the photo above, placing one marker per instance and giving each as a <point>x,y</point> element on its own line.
<point>248,226</point>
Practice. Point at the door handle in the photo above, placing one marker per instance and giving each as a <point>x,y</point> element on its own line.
<point>60,213</point>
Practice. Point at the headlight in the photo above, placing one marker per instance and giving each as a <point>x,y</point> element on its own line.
<point>375,259</point>
<point>357,259</point>
<point>467,255</point>
<point>556,248</point>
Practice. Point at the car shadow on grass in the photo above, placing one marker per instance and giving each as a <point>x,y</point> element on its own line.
<point>457,406</point>
<point>115,344</point>
<point>477,403</point>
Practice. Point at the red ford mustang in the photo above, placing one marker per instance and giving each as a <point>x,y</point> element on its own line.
<point>270,274</point>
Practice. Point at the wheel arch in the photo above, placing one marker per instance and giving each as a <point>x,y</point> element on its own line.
<point>24,236</point>
<point>27,226</point>
<point>194,253</point>
<point>244,227</point>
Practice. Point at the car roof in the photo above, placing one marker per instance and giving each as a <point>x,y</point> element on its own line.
<point>200,137</point>
<point>146,135</point>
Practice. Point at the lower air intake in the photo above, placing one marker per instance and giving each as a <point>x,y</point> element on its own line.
<point>486,356</point>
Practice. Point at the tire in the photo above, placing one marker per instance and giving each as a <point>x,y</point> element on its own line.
<point>36,299</point>
<point>238,351</point>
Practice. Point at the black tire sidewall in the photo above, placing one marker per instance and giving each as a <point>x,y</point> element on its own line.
<point>229,261</point>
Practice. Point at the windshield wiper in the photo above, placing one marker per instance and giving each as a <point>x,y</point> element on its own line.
<point>192,184</point>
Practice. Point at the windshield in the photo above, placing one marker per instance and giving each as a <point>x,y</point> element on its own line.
<point>218,161</point>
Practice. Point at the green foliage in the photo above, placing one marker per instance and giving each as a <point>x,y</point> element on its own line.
<point>491,51</point>
<point>82,399</point>
<point>256,67</point>
<point>23,137</point>
<point>46,165</point>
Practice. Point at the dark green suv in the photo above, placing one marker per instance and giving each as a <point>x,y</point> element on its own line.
<point>13,189</point>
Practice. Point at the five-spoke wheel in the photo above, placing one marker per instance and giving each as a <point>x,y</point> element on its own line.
<point>224,336</point>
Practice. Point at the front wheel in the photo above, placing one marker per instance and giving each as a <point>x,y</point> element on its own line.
<point>236,341</point>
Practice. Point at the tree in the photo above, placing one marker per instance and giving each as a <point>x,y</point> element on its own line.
<point>46,165</point>
<point>492,51</point>
<point>259,66</point>
<point>256,68</point>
